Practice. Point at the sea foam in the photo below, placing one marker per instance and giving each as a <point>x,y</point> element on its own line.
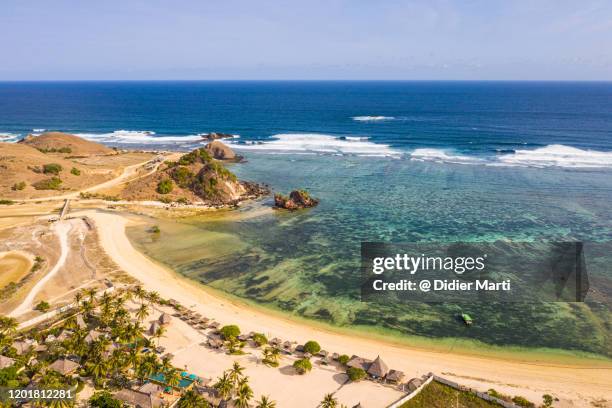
<point>319,143</point>
<point>138,137</point>
<point>558,156</point>
<point>548,156</point>
<point>372,118</point>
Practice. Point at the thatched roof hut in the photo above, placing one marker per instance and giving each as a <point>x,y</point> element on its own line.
<point>139,399</point>
<point>335,356</point>
<point>378,368</point>
<point>215,343</point>
<point>81,322</point>
<point>288,346</point>
<point>92,336</point>
<point>6,362</point>
<point>359,362</point>
<point>395,376</point>
<point>64,366</point>
<point>153,328</point>
<point>414,384</point>
<point>275,341</point>
<point>165,319</point>
<point>322,353</point>
<point>24,346</point>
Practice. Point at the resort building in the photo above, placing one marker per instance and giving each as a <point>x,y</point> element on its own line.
<point>64,366</point>
<point>138,399</point>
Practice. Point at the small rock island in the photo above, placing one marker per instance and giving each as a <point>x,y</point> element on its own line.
<point>297,199</point>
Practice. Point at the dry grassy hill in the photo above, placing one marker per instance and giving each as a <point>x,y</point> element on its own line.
<point>27,173</point>
<point>66,145</point>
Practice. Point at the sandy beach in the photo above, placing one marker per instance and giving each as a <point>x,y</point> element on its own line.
<point>575,385</point>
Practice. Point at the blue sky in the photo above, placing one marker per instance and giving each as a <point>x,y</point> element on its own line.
<point>331,39</point>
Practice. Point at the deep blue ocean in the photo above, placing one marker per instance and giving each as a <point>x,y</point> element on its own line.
<point>459,120</point>
<point>390,162</point>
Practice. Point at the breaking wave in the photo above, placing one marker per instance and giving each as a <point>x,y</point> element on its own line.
<point>138,137</point>
<point>9,137</point>
<point>443,156</point>
<point>319,143</point>
<point>548,156</point>
<point>558,156</point>
<point>372,118</point>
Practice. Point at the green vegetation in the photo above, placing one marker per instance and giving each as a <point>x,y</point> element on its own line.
<point>165,186</point>
<point>302,366</point>
<point>42,306</point>
<point>436,394</point>
<point>547,400</point>
<point>54,150</point>
<point>230,332</point>
<point>154,229</point>
<point>523,402</point>
<point>6,202</point>
<point>197,155</point>
<point>53,183</point>
<point>104,399</point>
<point>38,262</point>
<point>329,401</point>
<point>75,171</point>
<point>183,176</point>
<point>312,347</point>
<point>19,186</point>
<point>52,168</point>
<point>271,356</point>
<point>191,399</point>
<point>356,374</point>
<point>260,339</point>
<point>88,196</point>
<point>343,359</point>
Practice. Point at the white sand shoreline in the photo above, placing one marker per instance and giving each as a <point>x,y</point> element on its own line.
<point>576,384</point>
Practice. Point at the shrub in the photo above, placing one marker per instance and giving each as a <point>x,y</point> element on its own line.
<point>355,374</point>
<point>343,359</point>
<point>154,229</point>
<point>42,306</point>
<point>6,202</point>
<point>230,332</point>
<point>75,171</point>
<point>104,399</point>
<point>183,200</point>
<point>164,186</point>
<point>183,176</point>
<point>523,402</point>
<point>260,339</point>
<point>302,366</point>
<point>165,200</point>
<point>54,150</point>
<point>548,400</point>
<point>19,186</point>
<point>312,347</point>
<point>52,183</point>
<point>52,168</point>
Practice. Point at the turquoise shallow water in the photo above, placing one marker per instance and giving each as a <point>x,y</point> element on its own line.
<point>307,262</point>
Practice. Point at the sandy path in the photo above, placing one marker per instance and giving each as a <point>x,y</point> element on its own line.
<point>574,385</point>
<point>127,175</point>
<point>62,230</point>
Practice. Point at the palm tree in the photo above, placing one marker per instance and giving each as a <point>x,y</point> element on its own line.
<point>8,325</point>
<point>142,312</point>
<point>173,377</point>
<point>235,374</point>
<point>91,293</point>
<point>140,293</point>
<point>191,399</point>
<point>329,401</point>
<point>159,333</point>
<point>97,367</point>
<point>77,298</point>
<point>265,402</point>
<point>243,395</point>
<point>154,297</point>
<point>224,387</point>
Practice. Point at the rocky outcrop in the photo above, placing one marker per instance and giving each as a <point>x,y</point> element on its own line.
<point>216,135</point>
<point>195,178</point>
<point>221,151</point>
<point>297,199</point>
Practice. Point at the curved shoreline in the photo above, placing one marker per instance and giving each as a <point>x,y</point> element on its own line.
<point>531,379</point>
